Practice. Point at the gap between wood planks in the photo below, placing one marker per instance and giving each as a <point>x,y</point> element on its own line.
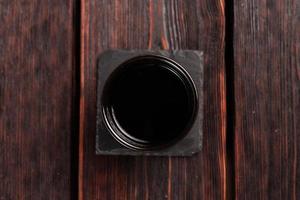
<point>74,179</point>
<point>230,98</point>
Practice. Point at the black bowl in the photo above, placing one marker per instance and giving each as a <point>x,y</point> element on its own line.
<point>149,102</point>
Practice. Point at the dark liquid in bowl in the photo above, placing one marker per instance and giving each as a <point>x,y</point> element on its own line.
<point>149,101</point>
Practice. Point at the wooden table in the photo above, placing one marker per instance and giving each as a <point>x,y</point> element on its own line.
<point>48,56</point>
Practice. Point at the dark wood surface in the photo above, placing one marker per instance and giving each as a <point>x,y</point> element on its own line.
<point>267,98</point>
<point>36,74</point>
<point>38,99</point>
<point>154,24</point>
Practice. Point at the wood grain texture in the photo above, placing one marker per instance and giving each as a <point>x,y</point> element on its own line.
<point>267,88</point>
<point>154,24</point>
<point>35,99</point>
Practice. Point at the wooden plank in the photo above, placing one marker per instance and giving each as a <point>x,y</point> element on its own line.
<point>154,24</point>
<point>35,99</point>
<point>267,96</point>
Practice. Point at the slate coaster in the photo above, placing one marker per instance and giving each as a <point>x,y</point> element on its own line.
<point>108,141</point>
